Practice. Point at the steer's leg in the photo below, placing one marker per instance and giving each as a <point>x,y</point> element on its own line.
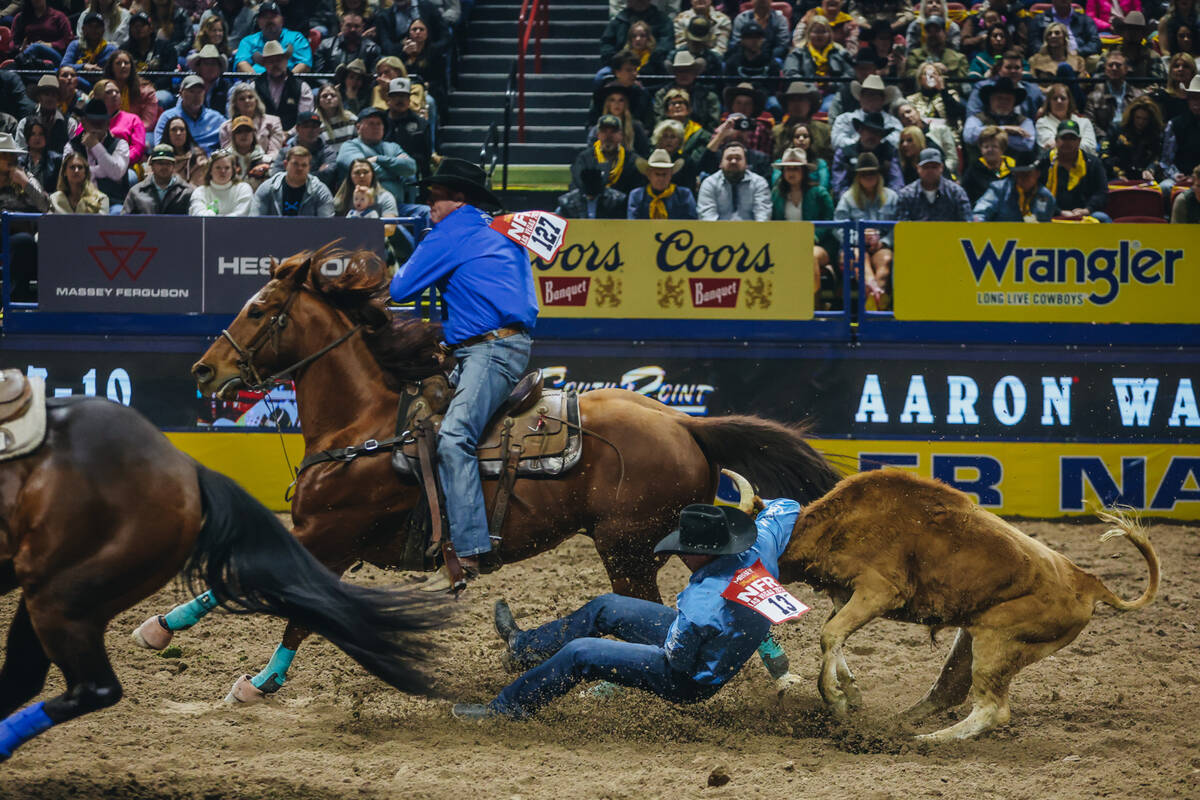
<point>952,685</point>
<point>873,596</point>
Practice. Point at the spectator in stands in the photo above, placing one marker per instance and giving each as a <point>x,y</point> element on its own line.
<point>204,123</point>
<point>108,156</point>
<point>872,97</point>
<point>306,15</point>
<point>53,121</point>
<point>995,45</point>
<point>694,138</point>
<point>733,192</point>
<point>283,95</point>
<point>802,141</point>
<point>70,99</point>
<point>800,101</point>
<point>736,128</point>
<point>1076,178</point>
<point>609,155</point>
<point>933,197</point>
<point>796,195</point>
<point>761,16</point>
<point>422,58</point>
<point>294,192</point>
<point>695,41</point>
<point>981,17</point>
<point>393,21</point>
<point>244,101</point>
<point>1173,98</point>
<point>868,199</point>
<point>1186,208</point>
<point>590,198</point>
<point>1056,58</point>
<point>173,24</point>
<point>212,32</point>
<point>366,10</point>
<point>819,56</point>
<point>1135,152</point>
<point>353,86</point>
<point>190,159</point>
<point>748,101</point>
<point>842,99</point>
<point>668,137</point>
<point>387,69</point>
<point>121,124</point>
<point>77,194</point>
<point>237,17</point>
<point>641,43</point>
<point>993,163</point>
<point>308,135</point>
<point>908,154</point>
<point>1003,99</point>
<point>161,192</point>
<point>347,46</point>
<point>937,134</point>
<point>616,33</point>
<point>1059,106</point>
<point>146,53</point>
<point>936,50</point>
<point>210,64</point>
<point>220,193</point>
<point>1181,142</point>
<point>270,29</point>
<point>38,162</point>
<point>337,124</point>
<point>360,182</point>
<point>719,29</point>
<point>614,100</point>
<point>91,51</point>
<point>624,75</point>
<point>42,33</point>
<point>1012,66</point>
<point>1143,62</point>
<point>407,128</point>
<point>843,26</point>
<point>1081,34</point>
<point>20,192</point>
<point>137,96</point>
<point>873,131</point>
<point>661,197</point>
<point>1106,102</point>
<point>251,164</point>
<point>113,16</point>
<point>1181,15</point>
<point>916,32</point>
<point>394,168</point>
<point>1019,197</point>
<point>750,58</point>
<point>706,106</point>
<point>13,100</point>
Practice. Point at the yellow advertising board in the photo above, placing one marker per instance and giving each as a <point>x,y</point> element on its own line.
<point>1017,272</point>
<point>669,269</point>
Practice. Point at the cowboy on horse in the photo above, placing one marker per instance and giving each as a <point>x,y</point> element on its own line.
<point>487,284</point>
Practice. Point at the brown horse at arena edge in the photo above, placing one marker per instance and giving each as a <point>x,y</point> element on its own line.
<point>105,512</point>
<point>349,358</point>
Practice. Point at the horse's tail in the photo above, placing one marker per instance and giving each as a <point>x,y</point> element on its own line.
<point>254,565</point>
<point>775,457</point>
<point>1131,528</point>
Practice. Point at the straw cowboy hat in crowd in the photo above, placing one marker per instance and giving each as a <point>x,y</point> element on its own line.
<point>210,51</point>
<point>794,157</point>
<point>9,145</point>
<point>874,83</point>
<point>272,49</point>
<point>659,159</point>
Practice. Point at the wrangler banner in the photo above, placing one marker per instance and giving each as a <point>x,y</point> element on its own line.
<point>639,269</point>
<point>1014,272</point>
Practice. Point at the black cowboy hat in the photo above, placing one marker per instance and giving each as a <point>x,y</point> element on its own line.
<point>612,87</point>
<point>706,530</point>
<point>875,121</point>
<point>745,87</point>
<point>1004,84</point>
<point>463,176</point>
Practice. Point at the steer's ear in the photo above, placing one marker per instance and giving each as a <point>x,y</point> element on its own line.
<point>294,269</point>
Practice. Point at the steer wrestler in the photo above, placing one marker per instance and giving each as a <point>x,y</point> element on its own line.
<point>682,655</point>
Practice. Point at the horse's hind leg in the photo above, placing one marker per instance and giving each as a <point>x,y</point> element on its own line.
<point>25,664</point>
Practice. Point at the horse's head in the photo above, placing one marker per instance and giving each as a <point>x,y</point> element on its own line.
<point>289,319</point>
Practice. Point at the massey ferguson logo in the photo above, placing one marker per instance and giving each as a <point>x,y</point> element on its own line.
<point>714,292</point>
<point>122,252</point>
<point>564,291</point>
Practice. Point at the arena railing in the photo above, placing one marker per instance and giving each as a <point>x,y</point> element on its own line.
<point>533,22</point>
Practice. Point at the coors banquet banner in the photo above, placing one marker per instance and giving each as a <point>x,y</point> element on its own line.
<point>1013,272</point>
<point>668,269</point>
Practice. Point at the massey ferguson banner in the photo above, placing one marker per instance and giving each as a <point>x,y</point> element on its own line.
<point>667,269</point>
<point>176,265</point>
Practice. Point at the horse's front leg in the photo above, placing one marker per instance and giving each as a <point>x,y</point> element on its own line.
<point>157,631</point>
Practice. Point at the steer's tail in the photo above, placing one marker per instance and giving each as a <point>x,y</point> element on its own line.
<point>1130,527</point>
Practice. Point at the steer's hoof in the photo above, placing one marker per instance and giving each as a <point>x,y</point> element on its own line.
<point>244,691</point>
<point>152,634</point>
<point>786,683</point>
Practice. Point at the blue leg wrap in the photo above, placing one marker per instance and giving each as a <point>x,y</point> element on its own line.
<point>23,726</point>
<point>275,673</point>
<point>185,616</point>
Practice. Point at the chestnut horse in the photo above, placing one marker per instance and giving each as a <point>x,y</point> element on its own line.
<point>104,513</point>
<point>349,358</point>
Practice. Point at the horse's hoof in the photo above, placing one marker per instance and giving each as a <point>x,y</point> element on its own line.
<point>244,691</point>
<point>152,635</point>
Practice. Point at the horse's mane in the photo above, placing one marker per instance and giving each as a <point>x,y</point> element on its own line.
<point>405,347</point>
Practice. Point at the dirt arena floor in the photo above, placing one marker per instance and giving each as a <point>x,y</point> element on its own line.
<point>1115,714</point>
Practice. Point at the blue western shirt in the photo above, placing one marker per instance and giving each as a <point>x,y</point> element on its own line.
<point>713,637</point>
<point>484,276</point>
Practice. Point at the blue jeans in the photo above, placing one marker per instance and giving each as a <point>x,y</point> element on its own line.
<point>574,653</point>
<point>485,375</point>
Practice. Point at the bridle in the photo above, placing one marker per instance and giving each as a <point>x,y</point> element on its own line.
<point>270,333</point>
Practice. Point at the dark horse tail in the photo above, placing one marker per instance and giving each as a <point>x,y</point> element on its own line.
<point>254,565</point>
<point>776,458</point>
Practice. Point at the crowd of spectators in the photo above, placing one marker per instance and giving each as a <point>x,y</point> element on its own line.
<point>875,110</point>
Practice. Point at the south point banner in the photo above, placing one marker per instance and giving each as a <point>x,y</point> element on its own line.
<point>1015,272</point>
<point>640,269</point>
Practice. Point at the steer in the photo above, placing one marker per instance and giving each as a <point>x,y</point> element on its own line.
<point>887,543</point>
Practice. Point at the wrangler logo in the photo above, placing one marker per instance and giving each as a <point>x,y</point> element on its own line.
<point>1104,270</point>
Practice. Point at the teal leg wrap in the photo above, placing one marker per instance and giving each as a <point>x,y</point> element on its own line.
<point>275,673</point>
<point>773,657</point>
<point>185,616</point>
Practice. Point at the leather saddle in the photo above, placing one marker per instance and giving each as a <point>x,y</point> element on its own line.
<point>542,426</point>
